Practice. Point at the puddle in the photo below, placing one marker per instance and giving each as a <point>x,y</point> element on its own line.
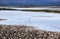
<point>42,20</point>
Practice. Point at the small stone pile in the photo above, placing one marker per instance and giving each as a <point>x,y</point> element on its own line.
<point>25,32</point>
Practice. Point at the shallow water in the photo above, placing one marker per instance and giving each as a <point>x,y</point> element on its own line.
<point>44,20</point>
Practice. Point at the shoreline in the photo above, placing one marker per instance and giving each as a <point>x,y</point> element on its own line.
<point>33,9</point>
<point>52,11</point>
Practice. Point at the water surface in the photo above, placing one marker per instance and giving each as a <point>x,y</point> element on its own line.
<point>44,20</point>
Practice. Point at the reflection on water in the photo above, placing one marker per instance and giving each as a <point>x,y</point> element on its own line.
<point>44,20</point>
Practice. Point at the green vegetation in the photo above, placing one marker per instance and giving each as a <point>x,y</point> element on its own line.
<point>55,11</point>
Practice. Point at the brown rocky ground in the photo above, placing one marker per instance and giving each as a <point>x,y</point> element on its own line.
<point>25,32</point>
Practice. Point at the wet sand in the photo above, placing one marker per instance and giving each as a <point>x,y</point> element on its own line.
<point>25,32</point>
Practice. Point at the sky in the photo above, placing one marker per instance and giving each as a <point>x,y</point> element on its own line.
<point>30,2</point>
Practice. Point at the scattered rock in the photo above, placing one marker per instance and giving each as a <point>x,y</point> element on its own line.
<point>25,32</point>
<point>1,19</point>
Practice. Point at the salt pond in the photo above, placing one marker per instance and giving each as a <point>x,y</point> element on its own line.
<point>44,20</point>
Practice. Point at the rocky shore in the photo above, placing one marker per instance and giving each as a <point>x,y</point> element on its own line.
<point>25,32</point>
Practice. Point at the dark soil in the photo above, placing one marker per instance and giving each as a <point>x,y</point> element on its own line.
<point>25,32</point>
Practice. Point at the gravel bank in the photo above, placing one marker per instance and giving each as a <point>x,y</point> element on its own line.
<point>25,32</point>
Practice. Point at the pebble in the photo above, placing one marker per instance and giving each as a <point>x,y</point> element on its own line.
<point>24,32</point>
